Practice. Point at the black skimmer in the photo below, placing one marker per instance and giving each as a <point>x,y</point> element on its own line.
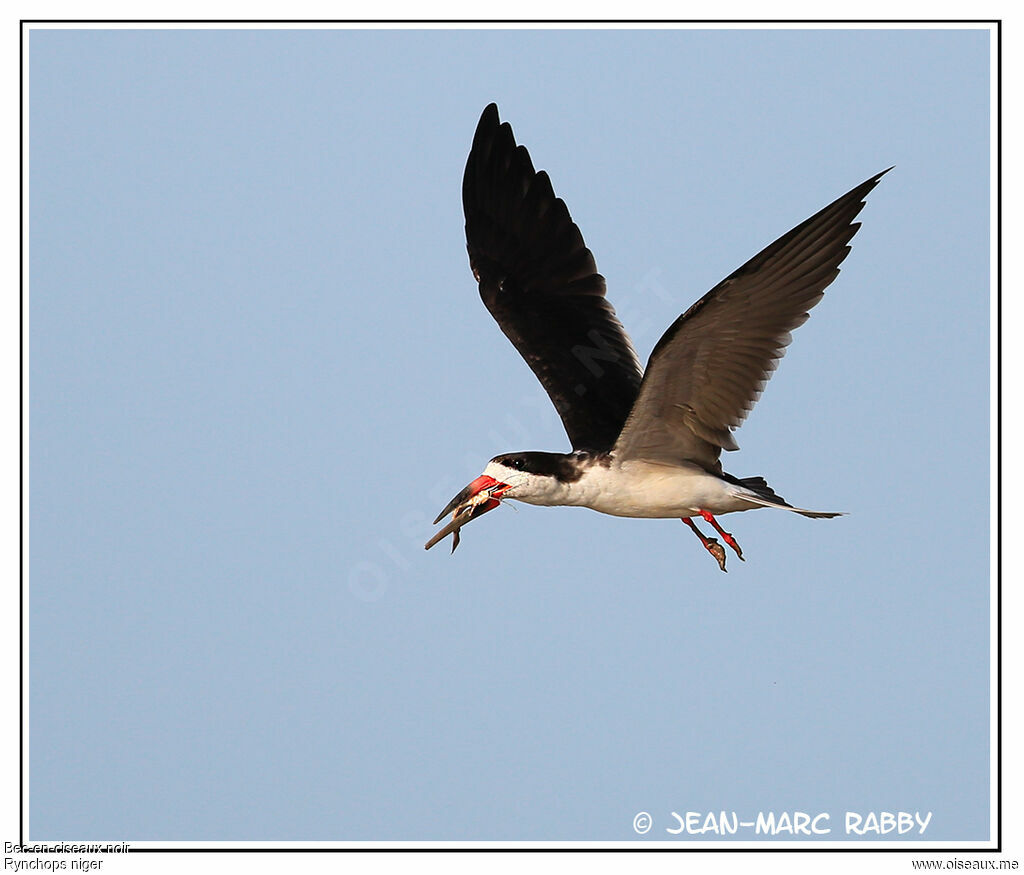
<point>644,443</point>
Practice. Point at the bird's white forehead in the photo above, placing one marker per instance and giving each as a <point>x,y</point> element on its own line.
<point>497,470</point>
<point>508,475</point>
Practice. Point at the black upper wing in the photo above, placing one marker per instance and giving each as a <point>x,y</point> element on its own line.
<point>709,368</point>
<point>540,282</point>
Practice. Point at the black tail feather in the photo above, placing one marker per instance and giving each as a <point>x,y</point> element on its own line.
<point>763,491</point>
<point>759,486</point>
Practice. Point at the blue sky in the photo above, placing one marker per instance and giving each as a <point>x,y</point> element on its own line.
<point>259,367</point>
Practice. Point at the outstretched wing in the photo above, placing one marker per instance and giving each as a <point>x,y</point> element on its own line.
<point>709,369</point>
<point>540,283</point>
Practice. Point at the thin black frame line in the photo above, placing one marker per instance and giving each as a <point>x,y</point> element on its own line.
<point>640,848</point>
<point>21,434</point>
<point>998,230</point>
<point>844,21</point>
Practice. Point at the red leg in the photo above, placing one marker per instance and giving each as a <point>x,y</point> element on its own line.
<point>729,539</point>
<point>710,544</point>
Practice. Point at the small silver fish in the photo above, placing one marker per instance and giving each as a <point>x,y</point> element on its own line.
<point>475,505</point>
<point>460,517</point>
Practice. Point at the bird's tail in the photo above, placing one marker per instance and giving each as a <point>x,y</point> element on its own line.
<point>757,491</point>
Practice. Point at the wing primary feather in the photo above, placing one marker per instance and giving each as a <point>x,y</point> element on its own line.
<point>540,282</point>
<point>715,360</point>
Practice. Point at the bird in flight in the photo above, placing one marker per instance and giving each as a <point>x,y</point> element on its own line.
<point>645,443</point>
